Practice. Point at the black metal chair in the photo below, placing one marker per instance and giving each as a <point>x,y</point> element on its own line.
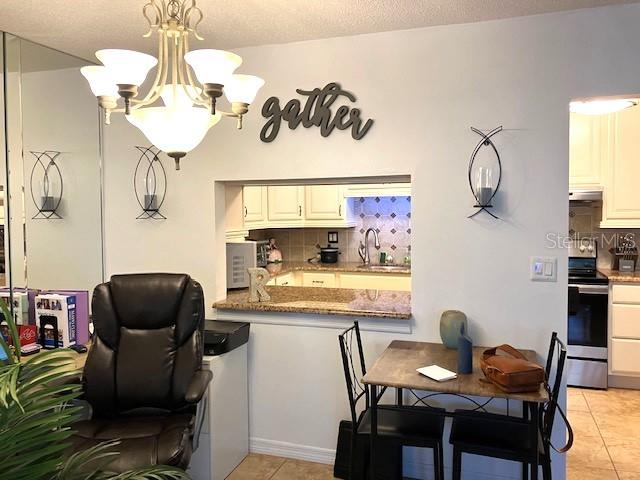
<point>398,426</point>
<point>511,438</point>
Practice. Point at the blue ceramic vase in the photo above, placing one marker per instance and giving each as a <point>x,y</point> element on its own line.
<point>451,322</point>
<point>465,352</point>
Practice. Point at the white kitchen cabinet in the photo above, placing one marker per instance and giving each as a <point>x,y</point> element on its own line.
<point>286,280</point>
<point>254,199</point>
<point>626,321</point>
<point>588,139</point>
<point>319,279</point>
<point>625,356</point>
<point>326,206</point>
<point>624,331</point>
<point>323,202</point>
<point>375,281</point>
<point>621,197</point>
<point>625,293</point>
<point>285,205</point>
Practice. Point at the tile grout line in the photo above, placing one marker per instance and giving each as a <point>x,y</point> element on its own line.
<point>601,436</point>
<point>282,465</point>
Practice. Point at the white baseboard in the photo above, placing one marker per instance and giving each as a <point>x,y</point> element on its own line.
<point>292,450</point>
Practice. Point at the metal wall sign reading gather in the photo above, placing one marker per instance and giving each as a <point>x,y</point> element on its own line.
<point>316,113</point>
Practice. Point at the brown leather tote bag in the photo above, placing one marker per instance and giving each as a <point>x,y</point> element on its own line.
<point>511,372</point>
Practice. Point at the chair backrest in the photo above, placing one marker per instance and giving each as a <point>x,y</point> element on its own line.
<point>354,368</point>
<point>557,350</point>
<point>147,343</point>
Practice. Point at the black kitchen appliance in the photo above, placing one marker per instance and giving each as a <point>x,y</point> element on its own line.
<point>588,317</point>
<point>329,254</point>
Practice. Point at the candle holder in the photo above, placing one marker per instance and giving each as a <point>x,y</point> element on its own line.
<point>47,174</point>
<point>484,190</point>
<point>150,183</point>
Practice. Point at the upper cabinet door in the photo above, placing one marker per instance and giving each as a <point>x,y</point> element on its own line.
<point>286,204</point>
<point>621,198</point>
<point>587,150</point>
<point>324,202</point>
<point>254,200</point>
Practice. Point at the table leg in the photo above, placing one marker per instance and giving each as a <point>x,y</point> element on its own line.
<point>399,397</point>
<point>525,416</point>
<point>374,430</point>
<point>535,412</point>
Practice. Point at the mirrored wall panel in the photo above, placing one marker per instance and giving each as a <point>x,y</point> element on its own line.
<point>51,186</point>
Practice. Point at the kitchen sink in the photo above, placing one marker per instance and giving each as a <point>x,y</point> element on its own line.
<point>385,268</point>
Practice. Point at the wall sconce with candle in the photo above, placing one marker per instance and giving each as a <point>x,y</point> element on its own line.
<point>150,183</point>
<point>46,185</point>
<point>487,179</point>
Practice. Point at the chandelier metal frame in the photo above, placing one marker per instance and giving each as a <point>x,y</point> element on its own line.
<point>174,22</point>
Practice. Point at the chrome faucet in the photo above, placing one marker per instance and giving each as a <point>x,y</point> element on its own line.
<point>363,249</point>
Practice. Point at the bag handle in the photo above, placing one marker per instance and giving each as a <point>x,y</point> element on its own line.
<point>505,348</point>
<point>569,443</point>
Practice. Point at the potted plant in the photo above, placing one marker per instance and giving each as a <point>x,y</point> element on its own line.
<point>37,412</point>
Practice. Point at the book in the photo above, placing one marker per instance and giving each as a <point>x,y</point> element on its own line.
<point>437,373</point>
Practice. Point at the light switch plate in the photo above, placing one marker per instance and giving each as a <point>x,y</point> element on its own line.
<point>543,269</point>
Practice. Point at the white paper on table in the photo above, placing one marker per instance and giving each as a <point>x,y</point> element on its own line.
<point>437,373</point>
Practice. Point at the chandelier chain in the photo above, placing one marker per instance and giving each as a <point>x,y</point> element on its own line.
<point>183,14</point>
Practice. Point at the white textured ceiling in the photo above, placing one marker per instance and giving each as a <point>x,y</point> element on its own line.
<point>81,27</point>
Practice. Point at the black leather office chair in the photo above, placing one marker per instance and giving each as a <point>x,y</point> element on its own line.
<point>143,374</point>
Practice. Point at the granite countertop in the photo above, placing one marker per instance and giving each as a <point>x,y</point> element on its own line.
<point>617,276</point>
<point>352,267</point>
<point>329,301</point>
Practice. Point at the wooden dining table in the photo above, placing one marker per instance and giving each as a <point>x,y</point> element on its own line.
<point>396,368</point>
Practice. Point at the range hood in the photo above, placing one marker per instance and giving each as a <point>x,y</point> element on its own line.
<point>585,196</point>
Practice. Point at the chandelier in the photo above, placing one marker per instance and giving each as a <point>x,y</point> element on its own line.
<point>189,104</point>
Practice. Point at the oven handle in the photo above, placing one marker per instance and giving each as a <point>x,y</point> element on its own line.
<point>591,289</point>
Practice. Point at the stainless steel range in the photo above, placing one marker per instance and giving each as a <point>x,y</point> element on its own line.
<point>587,313</point>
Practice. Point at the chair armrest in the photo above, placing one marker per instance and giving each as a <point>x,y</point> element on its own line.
<point>198,386</point>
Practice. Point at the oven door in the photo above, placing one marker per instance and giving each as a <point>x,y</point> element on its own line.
<point>588,310</point>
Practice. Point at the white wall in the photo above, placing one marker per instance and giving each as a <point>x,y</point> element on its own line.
<point>424,88</point>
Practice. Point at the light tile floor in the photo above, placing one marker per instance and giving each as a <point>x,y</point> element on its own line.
<point>266,467</point>
<point>606,425</point>
<point>606,447</point>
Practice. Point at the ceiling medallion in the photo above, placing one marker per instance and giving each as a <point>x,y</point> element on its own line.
<point>189,104</point>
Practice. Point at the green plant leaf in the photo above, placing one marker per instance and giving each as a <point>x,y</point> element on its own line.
<point>15,336</point>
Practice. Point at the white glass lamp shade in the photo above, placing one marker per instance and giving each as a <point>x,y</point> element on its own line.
<point>243,88</point>
<point>601,107</point>
<point>101,83</point>
<point>178,127</point>
<point>213,66</point>
<point>127,67</point>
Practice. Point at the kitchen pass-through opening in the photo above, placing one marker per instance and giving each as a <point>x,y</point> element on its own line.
<point>346,234</point>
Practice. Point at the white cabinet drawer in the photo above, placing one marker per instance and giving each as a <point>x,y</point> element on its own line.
<point>375,282</point>
<point>625,321</point>
<point>317,279</point>
<point>625,356</point>
<point>286,280</point>
<point>625,294</point>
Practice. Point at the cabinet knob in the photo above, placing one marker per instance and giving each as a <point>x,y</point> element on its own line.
<point>299,210</point>
<point>340,210</point>
<point>246,212</point>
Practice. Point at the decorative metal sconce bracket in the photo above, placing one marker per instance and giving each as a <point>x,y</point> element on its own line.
<point>150,171</point>
<point>49,204</point>
<point>485,141</point>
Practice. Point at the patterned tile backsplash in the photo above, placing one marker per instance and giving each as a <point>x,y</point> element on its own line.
<point>584,221</point>
<point>389,216</point>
